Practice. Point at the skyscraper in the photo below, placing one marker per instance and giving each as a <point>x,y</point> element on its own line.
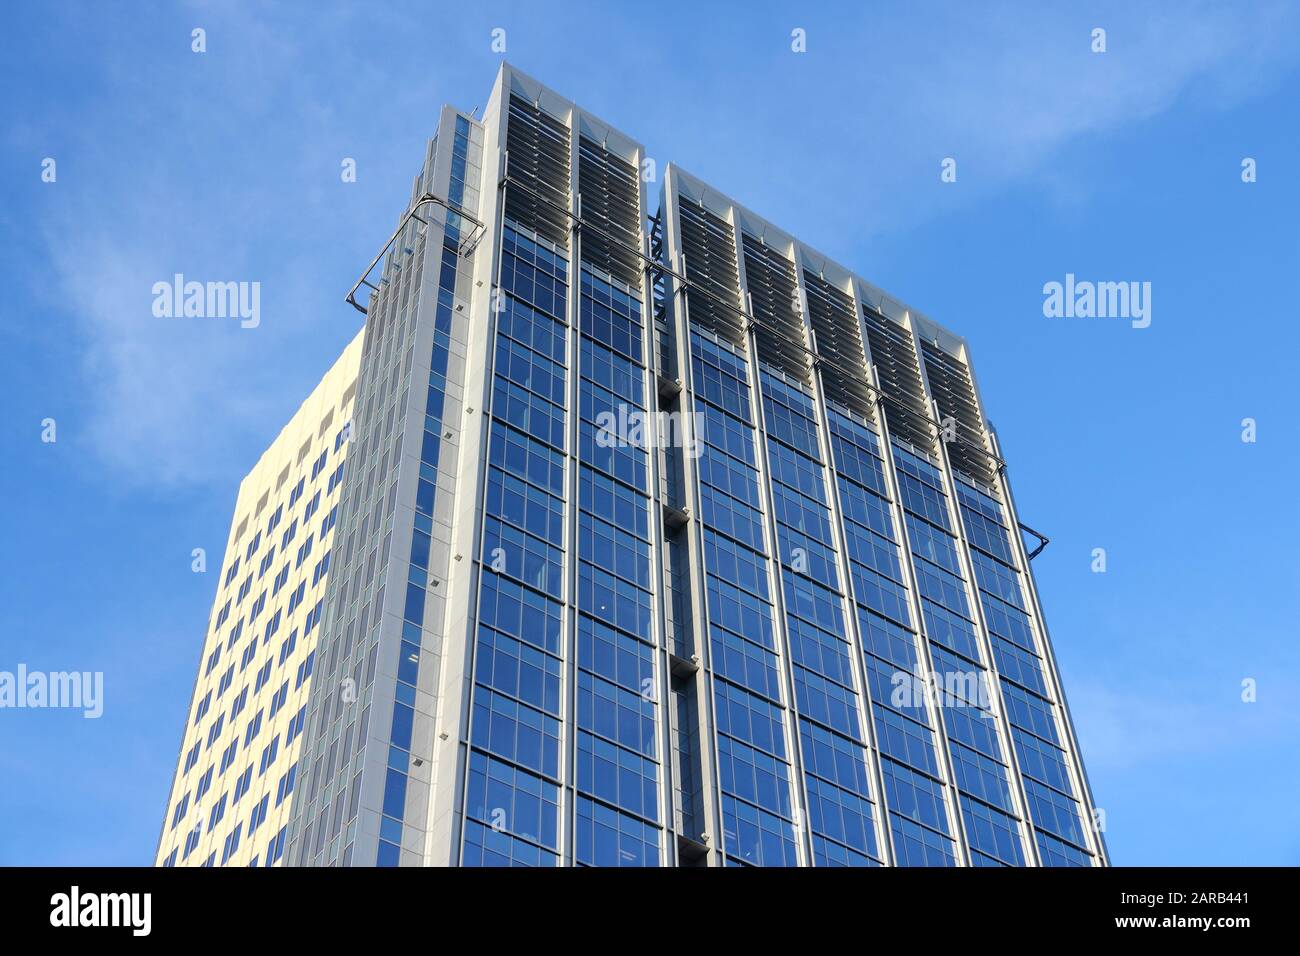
<point>238,765</point>
<point>664,540</point>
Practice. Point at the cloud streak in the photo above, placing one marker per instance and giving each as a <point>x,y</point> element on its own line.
<point>244,188</point>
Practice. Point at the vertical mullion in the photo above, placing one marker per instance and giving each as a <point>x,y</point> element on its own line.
<point>781,631</point>
<point>569,717</point>
<point>962,545</point>
<point>705,705</point>
<point>866,709</point>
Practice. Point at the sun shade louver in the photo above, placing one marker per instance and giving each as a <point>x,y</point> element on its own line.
<point>709,249</point>
<point>770,279</point>
<point>838,340</point>
<point>900,379</point>
<point>611,204</point>
<point>538,147</point>
<point>959,416</point>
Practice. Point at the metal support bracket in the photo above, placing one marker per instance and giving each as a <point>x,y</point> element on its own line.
<point>1043,541</point>
<point>465,248</point>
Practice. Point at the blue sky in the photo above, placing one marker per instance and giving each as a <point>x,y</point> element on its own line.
<point>1124,165</point>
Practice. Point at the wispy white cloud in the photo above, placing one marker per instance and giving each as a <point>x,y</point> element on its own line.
<point>211,178</point>
<point>1144,722</point>
<point>227,171</point>
<point>844,143</point>
<point>167,399</point>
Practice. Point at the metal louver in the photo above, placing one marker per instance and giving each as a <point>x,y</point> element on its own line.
<point>953,392</point>
<point>770,279</point>
<point>709,248</point>
<point>900,379</point>
<point>838,338</point>
<point>538,146</point>
<point>607,186</point>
